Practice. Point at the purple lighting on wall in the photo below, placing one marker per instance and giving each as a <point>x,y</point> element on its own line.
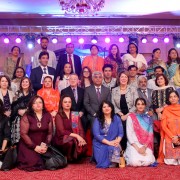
<point>6,40</point>
<point>81,41</point>
<point>68,40</point>
<point>107,40</point>
<point>155,40</point>
<point>166,39</point>
<point>18,40</point>
<point>38,40</point>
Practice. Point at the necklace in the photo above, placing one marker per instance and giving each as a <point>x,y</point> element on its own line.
<point>38,121</point>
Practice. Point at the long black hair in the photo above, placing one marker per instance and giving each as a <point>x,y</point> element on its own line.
<point>101,117</point>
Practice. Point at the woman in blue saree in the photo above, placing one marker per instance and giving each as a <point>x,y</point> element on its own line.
<point>108,132</point>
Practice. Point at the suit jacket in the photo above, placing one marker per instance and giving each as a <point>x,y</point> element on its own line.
<point>63,60</point>
<point>75,106</point>
<point>131,96</point>
<point>91,102</point>
<point>148,99</point>
<point>36,75</point>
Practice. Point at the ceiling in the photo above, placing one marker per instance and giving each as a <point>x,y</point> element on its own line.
<point>113,8</point>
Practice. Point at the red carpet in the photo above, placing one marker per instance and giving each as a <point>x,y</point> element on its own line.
<point>87,171</point>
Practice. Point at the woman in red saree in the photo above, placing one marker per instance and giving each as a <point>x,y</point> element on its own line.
<point>69,135</point>
<point>169,152</point>
<point>50,96</point>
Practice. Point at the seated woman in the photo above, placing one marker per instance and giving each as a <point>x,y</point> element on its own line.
<point>69,136</point>
<point>170,140</point>
<point>36,132</point>
<point>19,107</point>
<point>5,133</point>
<point>139,150</point>
<point>50,96</point>
<point>6,95</point>
<point>108,132</point>
<point>19,73</point>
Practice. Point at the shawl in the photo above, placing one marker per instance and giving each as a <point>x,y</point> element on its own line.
<point>143,127</point>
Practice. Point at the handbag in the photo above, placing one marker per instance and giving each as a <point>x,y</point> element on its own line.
<point>53,159</point>
<point>10,159</point>
<point>122,162</point>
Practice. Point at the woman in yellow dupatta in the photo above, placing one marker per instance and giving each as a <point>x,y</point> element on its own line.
<point>50,96</point>
<point>170,134</point>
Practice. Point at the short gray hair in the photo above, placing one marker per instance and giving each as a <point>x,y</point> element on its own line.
<point>141,77</point>
<point>97,73</point>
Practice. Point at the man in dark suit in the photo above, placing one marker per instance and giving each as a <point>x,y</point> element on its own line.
<point>41,71</point>
<point>73,59</point>
<point>94,95</point>
<point>76,93</point>
<point>146,93</point>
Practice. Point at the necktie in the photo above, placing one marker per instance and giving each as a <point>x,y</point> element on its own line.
<point>44,71</point>
<point>98,93</point>
<point>144,92</point>
<point>75,96</point>
<point>70,61</point>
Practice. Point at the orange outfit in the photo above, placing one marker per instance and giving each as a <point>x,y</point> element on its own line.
<point>93,64</point>
<point>170,123</point>
<point>51,100</point>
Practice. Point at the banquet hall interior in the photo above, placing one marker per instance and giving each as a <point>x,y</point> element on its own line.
<point>150,24</point>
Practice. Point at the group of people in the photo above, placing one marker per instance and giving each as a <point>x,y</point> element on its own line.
<point>129,105</point>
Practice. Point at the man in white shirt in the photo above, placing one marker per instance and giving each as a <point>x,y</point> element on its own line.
<point>52,62</point>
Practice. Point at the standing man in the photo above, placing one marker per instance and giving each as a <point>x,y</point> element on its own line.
<point>76,93</point>
<point>108,80</point>
<point>133,71</point>
<point>52,62</point>
<point>41,71</point>
<point>94,95</point>
<point>73,59</point>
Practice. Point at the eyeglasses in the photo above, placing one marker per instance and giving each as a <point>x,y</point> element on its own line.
<point>85,71</point>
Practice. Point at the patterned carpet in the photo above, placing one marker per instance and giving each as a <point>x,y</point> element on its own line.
<point>87,171</point>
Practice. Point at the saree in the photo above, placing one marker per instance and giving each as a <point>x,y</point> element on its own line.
<point>143,127</point>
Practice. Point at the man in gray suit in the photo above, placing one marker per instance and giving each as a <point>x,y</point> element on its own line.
<point>146,93</point>
<point>94,95</point>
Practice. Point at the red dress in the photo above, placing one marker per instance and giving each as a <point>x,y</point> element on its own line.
<point>68,145</point>
<point>32,136</point>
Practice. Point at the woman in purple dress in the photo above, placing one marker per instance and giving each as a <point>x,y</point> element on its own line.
<point>36,132</point>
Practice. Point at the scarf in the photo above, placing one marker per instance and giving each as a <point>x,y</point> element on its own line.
<point>143,127</point>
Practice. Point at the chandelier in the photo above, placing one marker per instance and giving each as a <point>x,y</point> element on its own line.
<point>82,6</point>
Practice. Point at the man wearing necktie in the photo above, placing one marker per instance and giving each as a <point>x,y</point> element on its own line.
<point>94,95</point>
<point>70,57</point>
<point>42,70</point>
<point>146,93</point>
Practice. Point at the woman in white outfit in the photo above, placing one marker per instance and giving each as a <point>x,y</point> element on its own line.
<point>139,151</point>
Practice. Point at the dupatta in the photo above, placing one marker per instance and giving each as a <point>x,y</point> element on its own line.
<point>143,127</point>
